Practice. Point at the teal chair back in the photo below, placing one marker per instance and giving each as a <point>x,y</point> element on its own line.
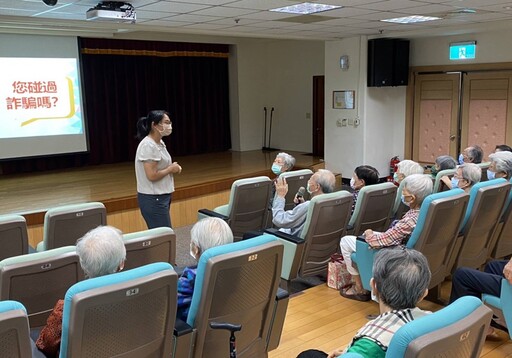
<point>13,236</point>
<point>125,314</point>
<point>502,246</point>
<point>373,208</point>
<point>502,303</point>
<point>438,184</point>
<point>247,208</point>
<point>149,246</point>
<point>484,166</point>
<point>14,331</point>
<point>483,214</point>
<point>64,225</point>
<point>457,330</point>
<point>439,222</point>
<point>295,179</point>
<point>236,283</point>
<point>38,280</point>
<point>326,222</point>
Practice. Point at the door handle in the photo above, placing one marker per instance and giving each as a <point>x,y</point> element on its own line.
<point>452,137</point>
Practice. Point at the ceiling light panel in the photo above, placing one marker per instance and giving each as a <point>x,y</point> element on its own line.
<point>411,19</point>
<point>306,8</point>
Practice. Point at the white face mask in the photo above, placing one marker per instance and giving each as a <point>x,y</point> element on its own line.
<point>167,129</point>
<point>353,183</point>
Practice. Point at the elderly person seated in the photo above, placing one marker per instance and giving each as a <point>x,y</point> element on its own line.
<point>473,154</point>
<point>363,175</point>
<point>415,189</point>
<point>465,177</point>
<point>400,281</point>
<point>405,168</point>
<point>205,234</point>
<point>501,165</point>
<point>443,162</point>
<point>284,162</point>
<point>292,221</point>
<point>101,252</point>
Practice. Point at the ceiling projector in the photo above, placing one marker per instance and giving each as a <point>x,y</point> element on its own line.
<point>115,11</point>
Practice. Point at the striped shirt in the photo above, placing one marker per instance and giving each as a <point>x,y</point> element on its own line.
<point>381,329</point>
<point>397,234</point>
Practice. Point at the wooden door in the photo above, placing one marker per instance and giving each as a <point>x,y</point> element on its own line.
<point>435,118</point>
<point>318,115</point>
<point>486,114</point>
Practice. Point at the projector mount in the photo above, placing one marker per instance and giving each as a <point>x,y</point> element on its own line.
<point>115,6</point>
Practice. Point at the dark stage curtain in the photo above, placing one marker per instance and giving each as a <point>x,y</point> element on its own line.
<point>124,79</point>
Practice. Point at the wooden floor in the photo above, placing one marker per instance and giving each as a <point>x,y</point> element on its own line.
<point>320,318</point>
<point>115,186</point>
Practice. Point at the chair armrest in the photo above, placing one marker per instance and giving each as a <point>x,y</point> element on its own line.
<point>283,235</point>
<point>278,317</point>
<point>281,294</point>
<point>181,328</point>
<point>363,258</point>
<point>209,212</point>
<point>183,339</point>
<point>292,255</point>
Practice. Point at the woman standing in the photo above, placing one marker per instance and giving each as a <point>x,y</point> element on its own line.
<point>154,169</point>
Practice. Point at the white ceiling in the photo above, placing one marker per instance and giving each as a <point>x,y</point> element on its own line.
<point>251,18</point>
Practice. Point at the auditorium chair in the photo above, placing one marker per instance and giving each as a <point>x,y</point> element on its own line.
<point>484,166</point>
<point>308,254</point>
<point>295,179</point>
<point>438,184</point>
<point>502,238</point>
<point>502,306</point>
<point>457,330</point>
<point>38,280</point>
<point>125,314</point>
<point>485,207</point>
<point>64,225</point>
<point>148,246</point>
<point>399,209</point>
<point>247,209</point>
<point>13,236</point>
<point>435,235</point>
<point>15,339</point>
<point>235,283</point>
<point>373,208</point>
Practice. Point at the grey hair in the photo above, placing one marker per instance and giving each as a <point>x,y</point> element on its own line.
<point>446,162</point>
<point>419,185</point>
<point>503,162</point>
<point>210,232</point>
<point>401,277</point>
<point>326,180</point>
<point>471,172</point>
<point>476,153</point>
<point>288,160</point>
<point>101,251</point>
<point>408,167</point>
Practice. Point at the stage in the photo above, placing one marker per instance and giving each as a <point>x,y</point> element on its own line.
<point>114,185</point>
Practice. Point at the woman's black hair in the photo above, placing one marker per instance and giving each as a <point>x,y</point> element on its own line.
<point>368,174</point>
<point>144,123</point>
<point>504,148</point>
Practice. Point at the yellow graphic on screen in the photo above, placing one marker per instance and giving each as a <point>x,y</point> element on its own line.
<point>71,106</point>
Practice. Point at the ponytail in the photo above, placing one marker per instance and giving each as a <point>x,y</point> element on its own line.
<point>142,128</point>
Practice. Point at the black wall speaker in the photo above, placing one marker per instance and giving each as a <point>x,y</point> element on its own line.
<point>388,62</point>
